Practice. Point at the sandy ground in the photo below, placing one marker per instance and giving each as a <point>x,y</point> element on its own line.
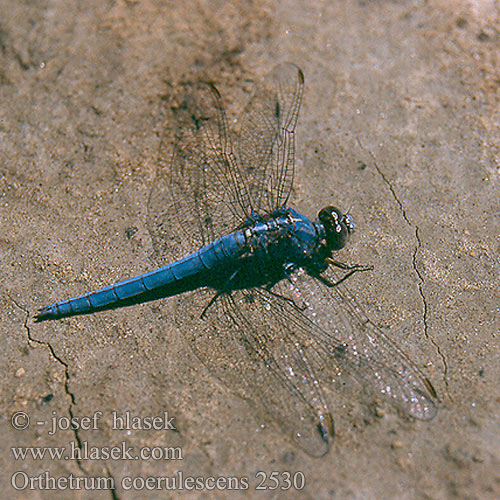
<point>400,123</point>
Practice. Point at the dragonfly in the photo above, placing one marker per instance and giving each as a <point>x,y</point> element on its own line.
<point>259,295</point>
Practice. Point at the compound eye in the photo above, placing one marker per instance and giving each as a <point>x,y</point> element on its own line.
<point>337,227</point>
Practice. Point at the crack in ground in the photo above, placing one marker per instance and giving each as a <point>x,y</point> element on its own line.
<point>48,346</point>
<point>424,301</point>
<point>114,494</point>
<point>420,277</point>
<point>71,395</point>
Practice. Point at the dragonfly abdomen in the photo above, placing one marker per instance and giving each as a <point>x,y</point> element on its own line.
<point>186,274</point>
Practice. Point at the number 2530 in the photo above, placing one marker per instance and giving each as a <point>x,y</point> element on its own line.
<point>280,480</point>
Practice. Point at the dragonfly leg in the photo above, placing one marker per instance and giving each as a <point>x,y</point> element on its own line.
<point>351,268</point>
<point>212,300</point>
<point>224,289</point>
<point>288,299</point>
<point>348,267</point>
<point>287,272</point>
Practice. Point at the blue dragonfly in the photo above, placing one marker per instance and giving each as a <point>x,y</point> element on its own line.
<point>257,294</point>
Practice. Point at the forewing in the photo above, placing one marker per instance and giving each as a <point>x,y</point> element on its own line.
<point>349,344</point>
<point>198,193</point>
<point>204,187</point>
<point>265,144</point>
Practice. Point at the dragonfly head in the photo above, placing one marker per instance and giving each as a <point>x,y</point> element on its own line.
<point>338,227</point>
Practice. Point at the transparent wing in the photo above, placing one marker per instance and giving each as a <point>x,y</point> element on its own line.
<point>349,344</point>
<point>292,350</point>
<point>198,193</point>
<point>255,353</point>
<point>265,145</point>
<point>206,187</point>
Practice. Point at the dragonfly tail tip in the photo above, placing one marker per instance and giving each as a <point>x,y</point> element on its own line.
<point>43,314</point>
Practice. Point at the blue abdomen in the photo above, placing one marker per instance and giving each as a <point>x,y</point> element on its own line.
<point>186,274</point>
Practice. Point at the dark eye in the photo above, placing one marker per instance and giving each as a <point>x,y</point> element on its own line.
<point>338,226</point>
